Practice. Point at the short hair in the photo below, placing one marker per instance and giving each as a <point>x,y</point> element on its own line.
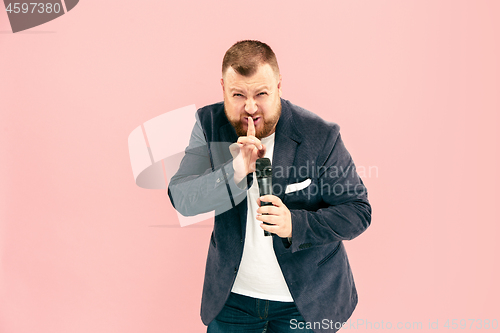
<point>246,55</point>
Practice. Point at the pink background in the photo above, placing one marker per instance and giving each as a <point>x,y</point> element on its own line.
<point>414,85</point>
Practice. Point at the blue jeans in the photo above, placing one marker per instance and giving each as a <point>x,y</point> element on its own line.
<point>252,315</point>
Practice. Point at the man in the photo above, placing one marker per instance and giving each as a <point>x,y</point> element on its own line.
<point>298,279</point>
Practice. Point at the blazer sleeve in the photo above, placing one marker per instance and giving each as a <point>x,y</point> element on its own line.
<point>199,186</point>
<point>345,211</point>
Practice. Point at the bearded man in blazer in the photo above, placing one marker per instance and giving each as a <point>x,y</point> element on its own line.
<point>299,279</point>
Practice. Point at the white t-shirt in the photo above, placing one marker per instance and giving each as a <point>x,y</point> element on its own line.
<point>259,274</point>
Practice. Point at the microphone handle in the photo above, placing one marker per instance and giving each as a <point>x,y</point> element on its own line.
<point>265,188</point>
<point>262,203</point>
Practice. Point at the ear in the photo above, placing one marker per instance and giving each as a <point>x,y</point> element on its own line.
<point>279,85</point>
<point>222,84</point>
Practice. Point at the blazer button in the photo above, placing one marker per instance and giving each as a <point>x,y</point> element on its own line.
<point>235,270</point>
<point>218,180</point>
<point>241,240</point>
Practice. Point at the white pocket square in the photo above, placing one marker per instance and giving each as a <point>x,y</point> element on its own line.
<point>298,186</point>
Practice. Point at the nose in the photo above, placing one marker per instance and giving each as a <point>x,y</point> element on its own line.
<point>250,106</point>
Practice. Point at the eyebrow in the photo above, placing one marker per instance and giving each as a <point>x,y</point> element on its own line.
<point>265,87</point>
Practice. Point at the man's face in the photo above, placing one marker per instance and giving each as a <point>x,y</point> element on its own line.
<point>256,96</point>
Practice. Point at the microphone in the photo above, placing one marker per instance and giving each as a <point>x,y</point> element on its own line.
<point>264,174</point>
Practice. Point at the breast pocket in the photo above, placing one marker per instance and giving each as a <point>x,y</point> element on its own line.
<point>294,187</point>
<point>302,194</point>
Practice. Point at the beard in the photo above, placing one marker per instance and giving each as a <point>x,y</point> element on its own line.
<point>264,129</point>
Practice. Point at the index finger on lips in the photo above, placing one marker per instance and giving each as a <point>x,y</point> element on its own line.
<point>251,127</point>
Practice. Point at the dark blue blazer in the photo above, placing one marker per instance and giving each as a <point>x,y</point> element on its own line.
<point>333,208</point>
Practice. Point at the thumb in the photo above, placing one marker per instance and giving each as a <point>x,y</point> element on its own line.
<point>234,149</point>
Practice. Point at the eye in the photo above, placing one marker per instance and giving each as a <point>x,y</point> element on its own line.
<point>237,95</point>
<point>262,93</point>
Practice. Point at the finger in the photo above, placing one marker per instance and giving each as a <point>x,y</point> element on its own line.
<point>271,210</point>
<point>271,198</point>
<point>251,140</point>
<point>271,219</point>
<point>271,228</point>
<point>259,202</point>
<point>262,151</point>
<point>251,127</point>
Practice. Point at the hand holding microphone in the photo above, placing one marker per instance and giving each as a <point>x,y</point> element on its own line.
<point>273,213</point>
<point>276,218</point>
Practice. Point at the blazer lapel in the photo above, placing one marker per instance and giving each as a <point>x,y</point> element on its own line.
<point>285,146</point>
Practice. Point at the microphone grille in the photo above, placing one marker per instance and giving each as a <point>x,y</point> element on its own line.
<point>263,167</point>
